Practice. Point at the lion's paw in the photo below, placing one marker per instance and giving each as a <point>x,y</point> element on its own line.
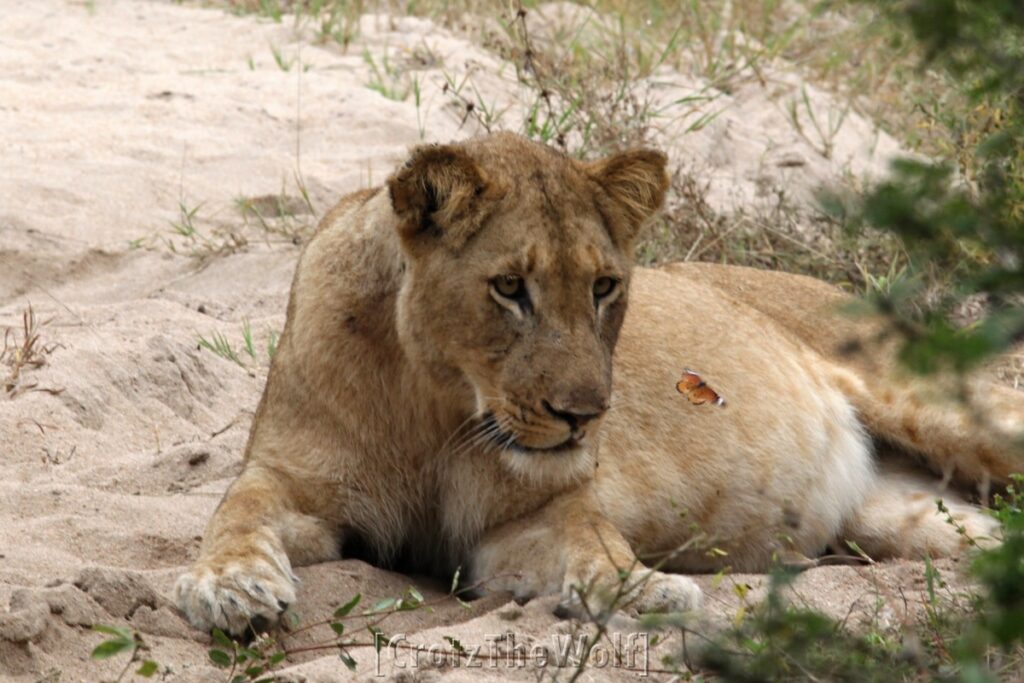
<point>644,592</point>
<point>668,593</point>
<point>236,594</point>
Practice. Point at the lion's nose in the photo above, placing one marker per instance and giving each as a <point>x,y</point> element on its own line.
<point>575,418</point>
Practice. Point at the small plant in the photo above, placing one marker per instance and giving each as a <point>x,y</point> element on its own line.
<point>257,661</point>
<point>996,637</point>
<point>272,339</point>
<point>385,78</point>
<point>587,101</point>
<point>823,139</point>
<point>349,629</point>
<point>884,285</point>
<point>27,353</point>
<point>220,345</point>
<point>252,663</point>
<point>185,234</point>
<point>486,114</point>
<point>280,215</point>
<point>250,348</point>
<point>780,642</point>
<point>338,20</point>
<point>417,96</point>
<point>125,640</point>
<point>286,63</point>
<point>185,225</point>
<point>271,9</point>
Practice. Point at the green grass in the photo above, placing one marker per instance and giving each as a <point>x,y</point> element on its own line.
<point>386,78</point>
<point>247,347</point>
<point>219,344</point>
<point>185,225</point>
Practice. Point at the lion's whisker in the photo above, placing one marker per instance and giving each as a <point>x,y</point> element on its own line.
<point>469,421</point>
<point>459,447</point>
<point>486,432</point>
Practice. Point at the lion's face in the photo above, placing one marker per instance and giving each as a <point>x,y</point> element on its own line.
<point>517,270</point>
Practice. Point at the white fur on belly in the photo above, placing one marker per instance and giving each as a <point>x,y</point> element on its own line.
<point>846,469</point>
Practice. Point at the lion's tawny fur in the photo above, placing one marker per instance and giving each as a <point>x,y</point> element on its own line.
<point>395,346</point>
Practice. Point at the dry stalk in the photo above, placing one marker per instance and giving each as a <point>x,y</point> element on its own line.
<point>27,354</point>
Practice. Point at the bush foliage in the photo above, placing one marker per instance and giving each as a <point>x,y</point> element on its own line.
<point>962,219</point>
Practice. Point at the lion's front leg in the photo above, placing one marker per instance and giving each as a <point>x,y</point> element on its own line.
<point>568,547</point>
<point>244,571</point>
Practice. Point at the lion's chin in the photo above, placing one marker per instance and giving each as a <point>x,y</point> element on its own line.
<point>550,467</point>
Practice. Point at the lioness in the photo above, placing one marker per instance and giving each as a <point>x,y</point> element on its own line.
<point>443,394</point>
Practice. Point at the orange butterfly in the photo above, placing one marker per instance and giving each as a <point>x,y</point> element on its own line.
<point>697,390</point>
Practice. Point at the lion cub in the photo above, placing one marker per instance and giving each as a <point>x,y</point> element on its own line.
<point>459,384</point>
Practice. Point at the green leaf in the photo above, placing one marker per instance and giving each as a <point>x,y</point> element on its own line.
<point>250,653</point>
<point>385,604</point>
<point>456,644</point>
<point>347,658</point>
<point>338,627</point>
<point>999,144</point>
<point>347,607</point>
<point>147,669</point>
<point>254,671</point>
<point>857,549</point>
<point>222,639</point>
<point>278,657</point>
<point>109,648</point>
<point>220,658</point>
<point>415,593</point>
<point>119,631</point>
<point>378,637</point>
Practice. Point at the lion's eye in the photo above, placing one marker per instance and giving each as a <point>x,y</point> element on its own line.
<point>603,286</point>
<point>509,286</point>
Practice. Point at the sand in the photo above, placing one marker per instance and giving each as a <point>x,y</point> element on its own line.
<point>121,118</point>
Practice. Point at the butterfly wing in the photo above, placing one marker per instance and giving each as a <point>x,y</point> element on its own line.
<point>688,382</point>
<point>696,389</point>
<point>706,394</point>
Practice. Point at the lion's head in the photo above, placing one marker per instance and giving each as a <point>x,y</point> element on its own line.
<point>517,265</point>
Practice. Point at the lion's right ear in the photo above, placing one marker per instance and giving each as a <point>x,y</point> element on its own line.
<point>436,196</point>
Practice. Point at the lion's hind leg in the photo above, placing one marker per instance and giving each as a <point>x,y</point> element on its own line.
<point>901,517</point>
<point>975,441</point>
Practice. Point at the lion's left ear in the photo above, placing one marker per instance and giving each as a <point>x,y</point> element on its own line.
<point>437,196</point>
<point>635,183</point>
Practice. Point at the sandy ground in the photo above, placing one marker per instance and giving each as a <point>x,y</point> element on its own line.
<point>116,118</point>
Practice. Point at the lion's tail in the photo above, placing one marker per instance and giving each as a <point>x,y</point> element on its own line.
<point>977,438</point>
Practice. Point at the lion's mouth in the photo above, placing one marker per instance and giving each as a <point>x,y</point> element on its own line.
<point>508,441</point>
